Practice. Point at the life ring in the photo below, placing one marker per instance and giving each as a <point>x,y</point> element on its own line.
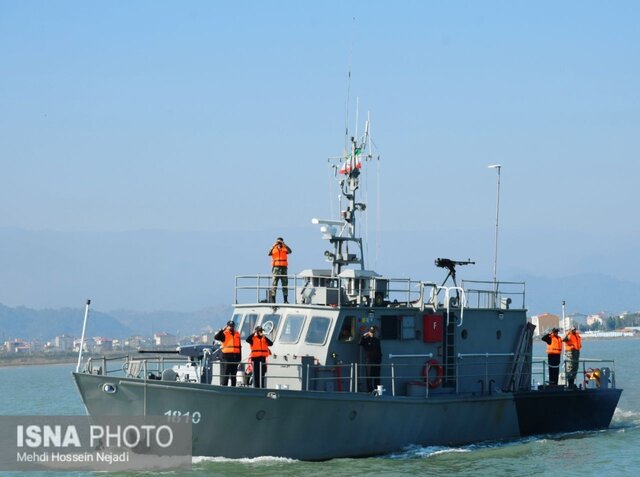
<point>437,381</point>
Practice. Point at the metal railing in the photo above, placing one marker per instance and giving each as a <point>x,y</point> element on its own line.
<point>302,290</point>
<point>476,371</point>
<point>379,291</point>
<point>586,371</point>
<point>503,295</point>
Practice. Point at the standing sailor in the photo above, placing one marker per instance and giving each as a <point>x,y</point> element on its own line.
<point>554,351</point>
<point>278,253</point>
<point>372,357</point>
<point>231,352</point>
<point>259,352</point>
<point>572,346</point>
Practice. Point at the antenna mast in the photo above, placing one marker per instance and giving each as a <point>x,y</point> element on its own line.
<point>341,233</point>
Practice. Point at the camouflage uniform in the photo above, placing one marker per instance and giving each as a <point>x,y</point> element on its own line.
<point>572,363</point>
<point>279,273</point>
<point>572,346</point>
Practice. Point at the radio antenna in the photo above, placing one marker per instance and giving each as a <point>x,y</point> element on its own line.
<point>346,106</point>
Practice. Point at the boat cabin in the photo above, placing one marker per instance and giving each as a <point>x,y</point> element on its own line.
<point>432,339</point>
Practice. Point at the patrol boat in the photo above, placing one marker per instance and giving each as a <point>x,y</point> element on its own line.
<point>457,364</point>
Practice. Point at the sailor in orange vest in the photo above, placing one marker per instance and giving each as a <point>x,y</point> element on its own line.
<point>572,346</point>
<point>231,352</point>
<point>259,352</point>
<point>278,253</point>
<point>554,351</point>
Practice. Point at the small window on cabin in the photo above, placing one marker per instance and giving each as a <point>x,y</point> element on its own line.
<point>348,329</point>
<point>270,330</point>
<point>248,325</point>
<point>389,327</point>
<point>318,327</point>
<point>237,318</point>
<point>408,327</point>
<point>291,328</point>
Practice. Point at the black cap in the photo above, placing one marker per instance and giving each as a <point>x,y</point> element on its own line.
<point>555,330</point>
<point>259,328</point>
<point>231,323</point>
<point>280,239</point>
<point>372,328</point>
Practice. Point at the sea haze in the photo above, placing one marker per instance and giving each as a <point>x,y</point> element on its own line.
<point>147,271</point>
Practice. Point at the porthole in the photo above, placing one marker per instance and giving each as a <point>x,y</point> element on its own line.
<point>498,334</point>
<point>464,334</point>
<point>260,415</point>
<point>109,388</point>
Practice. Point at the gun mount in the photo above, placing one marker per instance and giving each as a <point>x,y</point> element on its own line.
<point>451,266</point>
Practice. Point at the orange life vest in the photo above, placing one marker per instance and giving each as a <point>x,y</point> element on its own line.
<point>574,342</point>
<point>279,256</point>
<point>259,347</point>
<point>231,343</point>
<point>555,347</point>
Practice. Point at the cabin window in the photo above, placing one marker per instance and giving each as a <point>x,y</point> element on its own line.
<point>248,325</point>
<point>270,330</point>
<point>291,328</point>
<point>237,318</point>
<point>389,327</point>
<point>394,327</point>
<point>408,327</point>
<point>318,327</point>
<point>348,329</point>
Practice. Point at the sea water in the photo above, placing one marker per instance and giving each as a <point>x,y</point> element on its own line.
<point>49,390</point>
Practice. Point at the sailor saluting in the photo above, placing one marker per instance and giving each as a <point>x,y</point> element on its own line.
<point>231,352</point>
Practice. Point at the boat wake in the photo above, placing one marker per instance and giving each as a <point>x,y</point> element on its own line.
<point>255,460</point>
<point>623,419</point>
<point>419,452</point>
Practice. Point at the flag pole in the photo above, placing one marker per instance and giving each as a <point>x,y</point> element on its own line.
<point>84,328</point>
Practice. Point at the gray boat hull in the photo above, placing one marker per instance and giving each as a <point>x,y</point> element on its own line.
<point>247,422</point>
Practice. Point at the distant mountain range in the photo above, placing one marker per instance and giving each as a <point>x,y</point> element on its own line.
<point>162,270</point>
<point>44,325</point>
<point>585,293</point>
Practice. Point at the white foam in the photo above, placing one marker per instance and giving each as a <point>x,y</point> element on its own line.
<point>244,460</point>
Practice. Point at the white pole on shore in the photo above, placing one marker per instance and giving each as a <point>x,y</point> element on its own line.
<point>84,328</point>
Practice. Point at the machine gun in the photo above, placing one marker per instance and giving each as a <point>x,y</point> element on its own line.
<point>451,266</point>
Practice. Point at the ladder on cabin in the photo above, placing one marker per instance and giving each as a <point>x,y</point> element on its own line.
<point>449,357</point>
<point>520,376</point>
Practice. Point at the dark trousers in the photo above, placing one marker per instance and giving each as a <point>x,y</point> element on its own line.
<point>373,376</point>
<point>554,368</point>
<point>259,370</point>
<point>229,362</point>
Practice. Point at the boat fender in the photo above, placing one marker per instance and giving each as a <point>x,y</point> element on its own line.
<point>437,381</point>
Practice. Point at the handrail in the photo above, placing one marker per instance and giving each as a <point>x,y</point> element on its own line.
<point>482,355</point>
<point>486,370</point>
<point>396,291</point>
<point>426,355</point>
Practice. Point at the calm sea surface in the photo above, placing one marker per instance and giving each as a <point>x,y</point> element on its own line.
<point>49,390</point>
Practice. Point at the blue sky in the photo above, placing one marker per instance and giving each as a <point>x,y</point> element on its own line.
<point>218,117</point>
